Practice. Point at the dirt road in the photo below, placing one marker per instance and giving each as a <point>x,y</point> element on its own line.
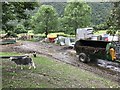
<point>60,53</point>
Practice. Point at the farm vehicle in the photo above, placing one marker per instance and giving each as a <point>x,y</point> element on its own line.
<point>91,50</point>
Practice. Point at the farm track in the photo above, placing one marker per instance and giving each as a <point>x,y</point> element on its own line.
<point>60,53</point>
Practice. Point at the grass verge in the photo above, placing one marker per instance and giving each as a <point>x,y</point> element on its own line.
<point>50,74</point>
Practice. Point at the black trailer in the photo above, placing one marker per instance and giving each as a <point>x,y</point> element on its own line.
<point>91,50</point>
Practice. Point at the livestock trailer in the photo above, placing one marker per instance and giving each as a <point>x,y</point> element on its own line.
<point>91,50</point>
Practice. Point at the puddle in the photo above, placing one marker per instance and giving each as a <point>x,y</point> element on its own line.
<point>109,65</point>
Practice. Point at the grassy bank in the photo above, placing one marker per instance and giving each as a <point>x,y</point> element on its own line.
<point>50,74</point>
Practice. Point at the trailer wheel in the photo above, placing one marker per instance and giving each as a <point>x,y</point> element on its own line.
<point>83,58</point>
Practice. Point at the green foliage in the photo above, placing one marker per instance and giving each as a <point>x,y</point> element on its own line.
<point>59,6</point>
<point>111,31</point>
<point>20,29</point>
<point>72,15</point>
<point>114,19</point>
<point>10,34</point>
<point>102,26</point>
<point>100,32</point>
<point>14,13</point>
<point>45,20</point>
<point>7,15</point>
<point>2,32</point>
<point>76,15</point>
<point>100,12</point>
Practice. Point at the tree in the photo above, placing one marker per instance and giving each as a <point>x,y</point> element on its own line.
<point>59,6</point>
<point>114,19</point>
<point>7,15</point>
<point>116,15</point>
<point>45,20</point>
<point>20,29</point>
<point>14,12</point>
<point>77,15</point>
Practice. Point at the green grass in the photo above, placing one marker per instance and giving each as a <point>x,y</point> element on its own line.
<point>50,74</point>
<point>100,32</point>
<point>2,32</point>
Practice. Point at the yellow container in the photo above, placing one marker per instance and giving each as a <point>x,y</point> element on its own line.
<point>51,35</point>
<point>113,53</point>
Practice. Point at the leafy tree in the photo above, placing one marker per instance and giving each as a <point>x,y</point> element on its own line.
<point>45,20</point>
<point>116,15</point>
<point>114,19</point>
<point>7,15</point>
<point>14,12</point>
<point>102,26</point>
<point>111,31</point>
<point>100,11</point>
<point>59,6</point>
<point>20,29</point>
<point>76,15</point>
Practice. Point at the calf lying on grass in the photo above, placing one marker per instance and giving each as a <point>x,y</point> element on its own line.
<point>23,60</point>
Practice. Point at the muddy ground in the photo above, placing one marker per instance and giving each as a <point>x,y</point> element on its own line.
<point>61,53</point>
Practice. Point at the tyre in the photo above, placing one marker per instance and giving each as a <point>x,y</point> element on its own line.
<point>84,58</point>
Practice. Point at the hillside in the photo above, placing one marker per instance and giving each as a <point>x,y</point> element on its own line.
<point>100,11</point>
